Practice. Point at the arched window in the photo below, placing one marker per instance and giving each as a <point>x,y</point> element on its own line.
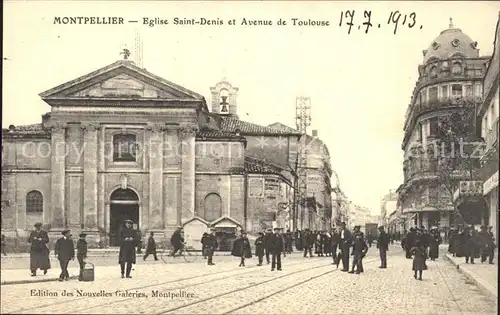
<point>34,202</point>
<point>433,72</point>
<point>212,207</point>
<point>456,68</point>
<point>124,148</point>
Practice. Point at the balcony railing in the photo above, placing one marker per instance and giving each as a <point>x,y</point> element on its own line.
<point>430,166</point>
<point>491,138</point>
<point>440,103</point>
<point>453,101</point>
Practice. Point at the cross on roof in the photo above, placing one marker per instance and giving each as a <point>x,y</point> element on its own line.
<point>126,53</point>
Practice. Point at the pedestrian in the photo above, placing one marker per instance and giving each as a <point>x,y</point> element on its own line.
<point>259,248</point>
<point>419,256</point>
<point>266,244</point>
<point>383,246</point>
<point>491,245</point>
<point>335,240</point>
<point>471,249</point>
<point>307,241</point>
<point>289,236</point>
<point>359,250</point>
<point>345,245</point>
<point>151,247</point>
<point>241,248</point>
<point>409,242</point>
<point>211,245</point>
<point>128,238</point>
<point>177,241</point>
<point>4,243</point>
<point>275,248</point>
<point>39,250</point>
<point>203,247</point>
<point>64,250</point>
<point>434,241</point>
<point>81,253</point>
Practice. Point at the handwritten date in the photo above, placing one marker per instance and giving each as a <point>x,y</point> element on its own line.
<point>395,20</point>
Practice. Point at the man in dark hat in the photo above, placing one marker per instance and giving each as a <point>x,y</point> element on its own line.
<point>259,248</point>
<point>210,244</point>
<point>307,242</point>
<point>383,246</point>
<point>267,236</point>
<point>345,244</point>
<point>64,251</point>
<point>151,247</point>
<point>81,252</point>
<point>177,241</point>
<point>275,248</point>
<point>39,251</point>
<point>128,238</point>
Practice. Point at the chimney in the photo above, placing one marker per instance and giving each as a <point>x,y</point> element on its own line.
<point>315,133</point>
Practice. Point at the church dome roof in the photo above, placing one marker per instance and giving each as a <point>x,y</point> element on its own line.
<point>450,42</point>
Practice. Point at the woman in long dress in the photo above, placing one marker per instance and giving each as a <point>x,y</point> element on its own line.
<point>39,250</point>
<point>128,238</point>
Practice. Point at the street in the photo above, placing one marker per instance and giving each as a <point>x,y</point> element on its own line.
<point>305,286</point>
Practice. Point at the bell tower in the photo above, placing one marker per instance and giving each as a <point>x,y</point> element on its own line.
<point>224,99</point>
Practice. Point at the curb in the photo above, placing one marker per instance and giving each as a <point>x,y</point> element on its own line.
<point>35,281</point>
<point>483,286</point>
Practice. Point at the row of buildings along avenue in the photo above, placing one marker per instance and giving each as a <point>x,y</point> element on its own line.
<point>122,143</point>
<point>451,137</point>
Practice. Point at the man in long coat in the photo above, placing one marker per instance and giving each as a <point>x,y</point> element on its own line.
<point>151,247</point>
<point>39,251</point>
<point>210,244</point>
<point>383,246</point>
<point>128,238</point>
<point>434,242</point>
<point>275,244</point>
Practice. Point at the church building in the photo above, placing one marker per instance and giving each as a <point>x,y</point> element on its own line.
<point>122,143</point>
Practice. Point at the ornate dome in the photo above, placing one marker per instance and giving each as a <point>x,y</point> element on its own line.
<point>450,42</point>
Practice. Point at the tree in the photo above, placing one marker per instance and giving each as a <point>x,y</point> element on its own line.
<point>455,152</point>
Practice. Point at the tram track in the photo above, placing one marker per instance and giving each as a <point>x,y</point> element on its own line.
<point>226,272</point>
<point>176,309</point>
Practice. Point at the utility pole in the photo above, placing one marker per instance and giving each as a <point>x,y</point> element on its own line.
<point>302,121</point>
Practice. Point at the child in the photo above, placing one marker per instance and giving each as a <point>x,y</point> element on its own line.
<point>419,257</point>
<point>259,248</point>
<point>81,252</point>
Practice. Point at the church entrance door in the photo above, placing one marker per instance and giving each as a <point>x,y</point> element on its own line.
<point>124,206</point>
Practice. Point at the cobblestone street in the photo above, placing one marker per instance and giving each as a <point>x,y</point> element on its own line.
<point>304,285</point>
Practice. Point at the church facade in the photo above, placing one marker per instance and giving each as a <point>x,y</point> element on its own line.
<point>122,143</point>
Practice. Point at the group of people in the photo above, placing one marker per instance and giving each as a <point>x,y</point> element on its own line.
<point>64,250</point>
<point>469,243</point>
<point>340,244</point>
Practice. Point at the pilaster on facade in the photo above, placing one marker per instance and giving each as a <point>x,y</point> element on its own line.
<point>156,136</point>
<point>188,134</point>
<point>58,161</point>
<point>90,179</point>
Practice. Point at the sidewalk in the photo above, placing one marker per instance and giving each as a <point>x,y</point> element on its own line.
<point>484,275</point>
<point>20,276</point>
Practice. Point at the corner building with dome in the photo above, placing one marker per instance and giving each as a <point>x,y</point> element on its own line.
<point>122,143</point>
<point>450,82</point>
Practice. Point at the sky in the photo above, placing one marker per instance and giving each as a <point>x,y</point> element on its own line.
<point>360,83</point>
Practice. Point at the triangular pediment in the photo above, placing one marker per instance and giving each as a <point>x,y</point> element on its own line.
<point>226,222</point>
<point>121,79</point>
